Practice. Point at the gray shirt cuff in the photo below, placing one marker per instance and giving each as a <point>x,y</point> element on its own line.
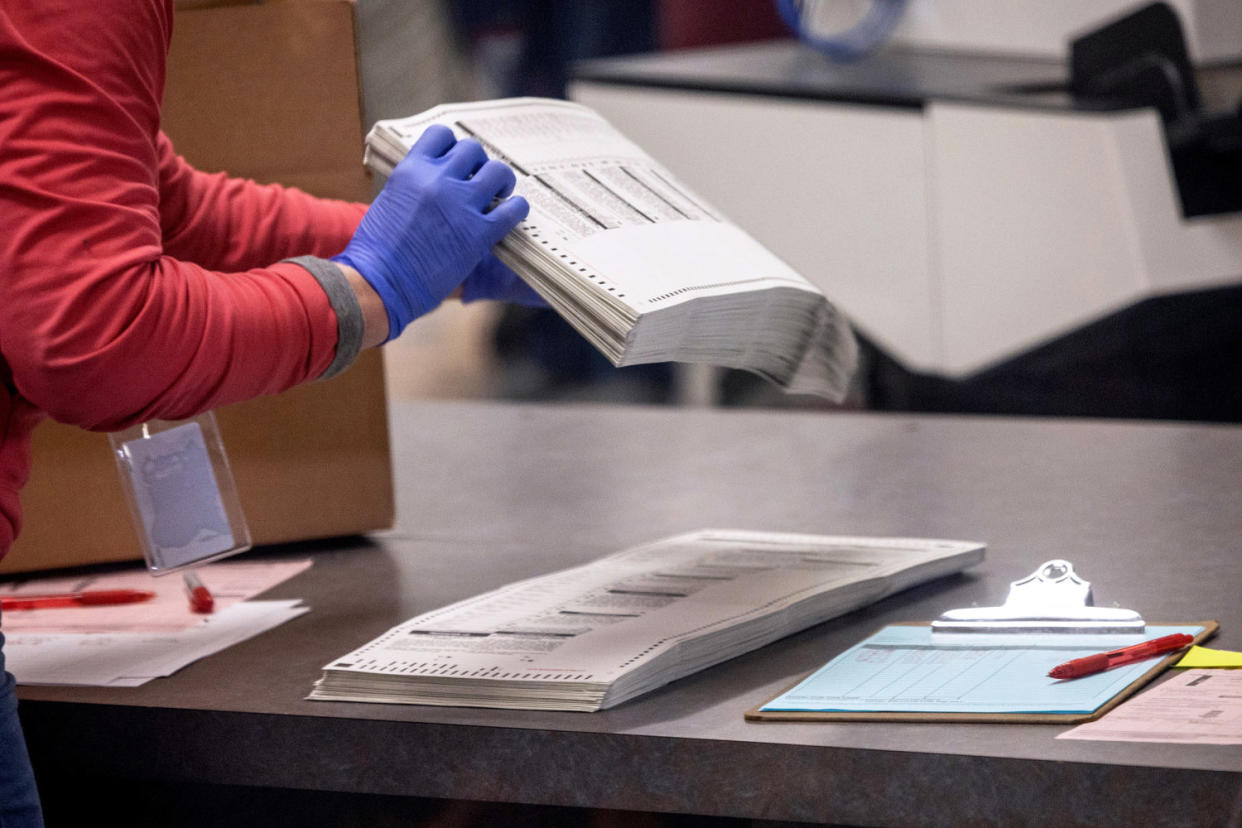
<point>349,324</point>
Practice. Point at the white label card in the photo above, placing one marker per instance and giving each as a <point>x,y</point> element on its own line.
<point>178,496</point>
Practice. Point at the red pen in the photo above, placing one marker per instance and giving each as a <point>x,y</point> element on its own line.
<point>201,599</point>
<point>85,598</point>
<point>1079,667</point>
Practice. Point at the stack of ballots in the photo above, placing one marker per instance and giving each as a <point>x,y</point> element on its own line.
<point>641,266</point>
<point>593,636</point>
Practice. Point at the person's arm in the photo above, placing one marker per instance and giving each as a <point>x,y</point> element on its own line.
<point>100,326</point>
<point>226,223</point>
<point>103,329</point>
<point>374,315</point>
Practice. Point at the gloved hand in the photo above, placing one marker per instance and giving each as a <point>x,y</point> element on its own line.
<point>431,225</point>
<point>492,279</point>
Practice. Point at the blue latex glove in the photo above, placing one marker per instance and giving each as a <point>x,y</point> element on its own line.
<point>432,224</point>
<point>492,279</point>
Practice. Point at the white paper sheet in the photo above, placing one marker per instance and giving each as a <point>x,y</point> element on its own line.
<point>128,659</point>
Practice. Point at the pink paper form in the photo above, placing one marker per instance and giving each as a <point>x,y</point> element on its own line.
<point>169,611</point>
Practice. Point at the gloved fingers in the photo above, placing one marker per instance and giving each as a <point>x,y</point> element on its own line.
<point>492,279</point>
<point>465,158</point>
<point>506,215</point>
<point>493,180</point>
<point>488,276</point>
<point>436,140</point>
<point>520,293</point>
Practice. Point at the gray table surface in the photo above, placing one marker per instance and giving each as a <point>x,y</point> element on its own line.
<point>490,493</point>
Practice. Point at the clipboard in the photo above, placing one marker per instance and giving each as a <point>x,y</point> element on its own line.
<point>978,663</point>
<point>757,714</point>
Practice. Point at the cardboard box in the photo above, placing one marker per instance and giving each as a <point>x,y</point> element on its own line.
<point>268,92</point>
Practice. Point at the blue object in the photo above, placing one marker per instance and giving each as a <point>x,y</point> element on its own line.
<point>492,279</point>
<point>904,669</point>
<point>432,224</point>
<point>19,799</point>
<point>864,37</point>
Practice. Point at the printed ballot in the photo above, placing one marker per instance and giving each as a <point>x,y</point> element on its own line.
<point>640,265</point>
<point>596,635</point>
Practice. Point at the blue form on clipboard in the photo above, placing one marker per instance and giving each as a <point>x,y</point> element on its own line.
<point>904,669</point>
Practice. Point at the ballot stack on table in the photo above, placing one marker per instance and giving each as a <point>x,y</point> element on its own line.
<point>593,636</point>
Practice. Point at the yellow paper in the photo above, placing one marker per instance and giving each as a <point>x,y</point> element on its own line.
<point>1206,657</point>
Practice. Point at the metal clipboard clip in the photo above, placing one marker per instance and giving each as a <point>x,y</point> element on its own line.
<point>1052,599</point>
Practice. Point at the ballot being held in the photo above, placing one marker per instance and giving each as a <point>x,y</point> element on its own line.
<point>638,263</point>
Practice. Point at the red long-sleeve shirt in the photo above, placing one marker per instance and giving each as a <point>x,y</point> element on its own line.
<point>132,286</point>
